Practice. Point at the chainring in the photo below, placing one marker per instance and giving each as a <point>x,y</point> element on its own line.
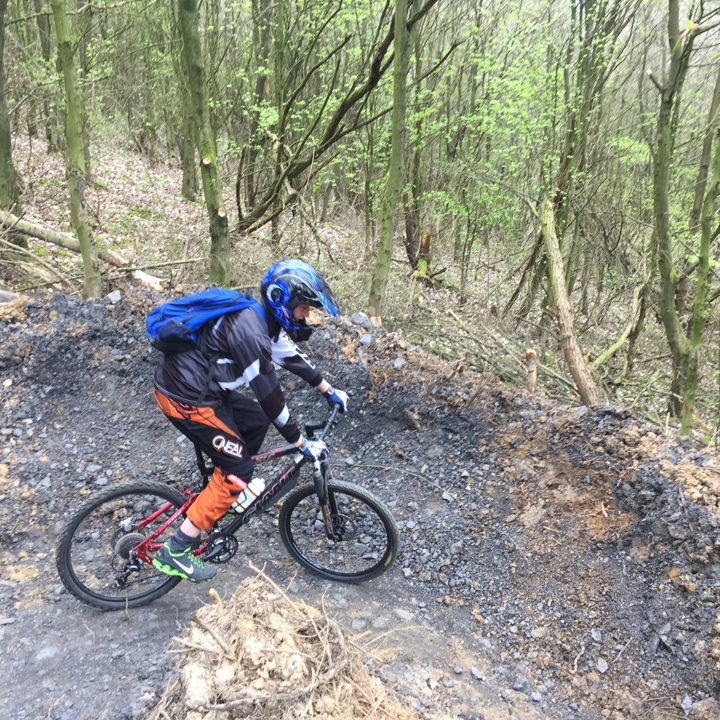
<point>220,548</point>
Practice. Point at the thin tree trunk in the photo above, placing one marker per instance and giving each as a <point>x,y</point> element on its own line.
<point>43,23</point>
<point>682,288</point>
<point>247,182</point>
<point>708,218</point>
<point>662,156</point>
<point>393,189</point>
<point>411,202</point>
<point>368,161</point>
<point>206,142</point>
<point>705,159</point>
<point>56,238</point>
<point>187,152</point>
<point>26,34</point>
<point>589,392</point>
<point>9,195</point>
<point>76,174</point>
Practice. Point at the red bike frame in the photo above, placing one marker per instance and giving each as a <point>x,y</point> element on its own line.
<point>145,549</point>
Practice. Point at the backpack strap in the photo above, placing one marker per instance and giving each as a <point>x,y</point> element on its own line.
<point>261,310</point>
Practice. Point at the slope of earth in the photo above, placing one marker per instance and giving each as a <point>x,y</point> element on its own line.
<point>557,562</point>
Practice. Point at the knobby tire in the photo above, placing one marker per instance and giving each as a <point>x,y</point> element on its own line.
<point>96,541</point>
<point>369,540</point>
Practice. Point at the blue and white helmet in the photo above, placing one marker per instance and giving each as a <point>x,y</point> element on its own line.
<point>289,283</point>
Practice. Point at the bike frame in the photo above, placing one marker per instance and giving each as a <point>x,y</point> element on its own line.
<point>283,483</point>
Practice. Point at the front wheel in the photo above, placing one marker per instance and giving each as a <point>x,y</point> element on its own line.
<point>97,556</point>
<point>365,538</point>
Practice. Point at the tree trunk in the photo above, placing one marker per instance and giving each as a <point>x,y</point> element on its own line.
<point>43,23</point>
<point>662,156</point>
<point>247,182</point>
<point>187,152</point>
<point>411,202</point>
<point>56,238</point>
<point>589,392</point>
<point>26,35</point>
<point>9,195</point>
<point>206,142</point>
<point>394,185</point>
<point>76,174</point>
<point>705,159</point>
<point>708,218</point>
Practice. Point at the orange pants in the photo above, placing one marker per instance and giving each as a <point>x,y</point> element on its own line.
<point>215,499</point>
<point>216,430</point>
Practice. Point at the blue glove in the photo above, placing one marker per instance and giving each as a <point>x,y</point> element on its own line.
<point>336,397</point>
<point>314,449</point>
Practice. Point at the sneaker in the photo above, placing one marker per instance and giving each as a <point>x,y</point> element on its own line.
<point>183,564</point>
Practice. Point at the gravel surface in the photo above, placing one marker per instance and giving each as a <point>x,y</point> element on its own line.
<point>557,562</point>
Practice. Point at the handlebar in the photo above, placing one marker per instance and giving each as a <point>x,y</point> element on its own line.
<point>326,427</point>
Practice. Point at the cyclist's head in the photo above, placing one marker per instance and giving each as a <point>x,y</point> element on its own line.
<point>289,283</point>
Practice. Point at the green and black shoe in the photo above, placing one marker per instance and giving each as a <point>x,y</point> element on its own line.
<point>183,564</point>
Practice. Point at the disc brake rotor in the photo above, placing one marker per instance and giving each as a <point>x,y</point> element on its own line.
<point>344,528</point>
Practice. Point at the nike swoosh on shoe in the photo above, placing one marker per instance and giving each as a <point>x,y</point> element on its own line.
<point>188,570</point>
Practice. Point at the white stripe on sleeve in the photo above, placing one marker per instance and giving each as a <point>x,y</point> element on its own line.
<point>251,372</point>
<point>282,418</point>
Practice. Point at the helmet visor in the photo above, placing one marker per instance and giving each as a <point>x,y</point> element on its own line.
<point>319,296</point>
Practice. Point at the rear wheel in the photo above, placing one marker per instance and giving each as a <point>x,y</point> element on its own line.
<point>96,557</point>
<point>365,536</point>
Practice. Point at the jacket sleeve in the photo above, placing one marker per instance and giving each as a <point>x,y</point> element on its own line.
<point>289,356</point>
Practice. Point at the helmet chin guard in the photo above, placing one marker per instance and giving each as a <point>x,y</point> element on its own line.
<point>289,283</point>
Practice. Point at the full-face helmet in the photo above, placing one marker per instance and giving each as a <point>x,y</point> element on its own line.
<point>289,283</point>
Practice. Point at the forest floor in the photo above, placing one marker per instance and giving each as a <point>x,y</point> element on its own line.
<point>557,562</point>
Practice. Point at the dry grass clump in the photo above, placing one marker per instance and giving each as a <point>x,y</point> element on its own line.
<point>262,655</point>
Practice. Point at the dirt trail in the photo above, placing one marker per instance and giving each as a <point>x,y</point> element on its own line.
<point>557,561</point>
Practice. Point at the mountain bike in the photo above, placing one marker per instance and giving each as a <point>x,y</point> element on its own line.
<point>335,529</point>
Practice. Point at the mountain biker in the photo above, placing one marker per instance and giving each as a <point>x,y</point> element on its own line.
<point>196,392</point>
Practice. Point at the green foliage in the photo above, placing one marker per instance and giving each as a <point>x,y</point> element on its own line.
<point>534,100</point>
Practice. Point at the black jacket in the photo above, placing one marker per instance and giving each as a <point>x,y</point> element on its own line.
<point>243,353</point>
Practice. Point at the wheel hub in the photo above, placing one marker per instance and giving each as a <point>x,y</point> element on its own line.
<point>344,528</point>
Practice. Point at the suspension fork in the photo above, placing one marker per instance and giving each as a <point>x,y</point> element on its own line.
<point>328,506</point>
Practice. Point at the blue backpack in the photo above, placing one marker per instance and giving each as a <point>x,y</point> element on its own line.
<point>173,326</point>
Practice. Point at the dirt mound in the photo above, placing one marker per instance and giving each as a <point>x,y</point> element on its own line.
<point>263,653</point>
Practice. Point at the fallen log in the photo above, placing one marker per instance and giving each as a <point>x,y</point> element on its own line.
<point>10,221</point>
